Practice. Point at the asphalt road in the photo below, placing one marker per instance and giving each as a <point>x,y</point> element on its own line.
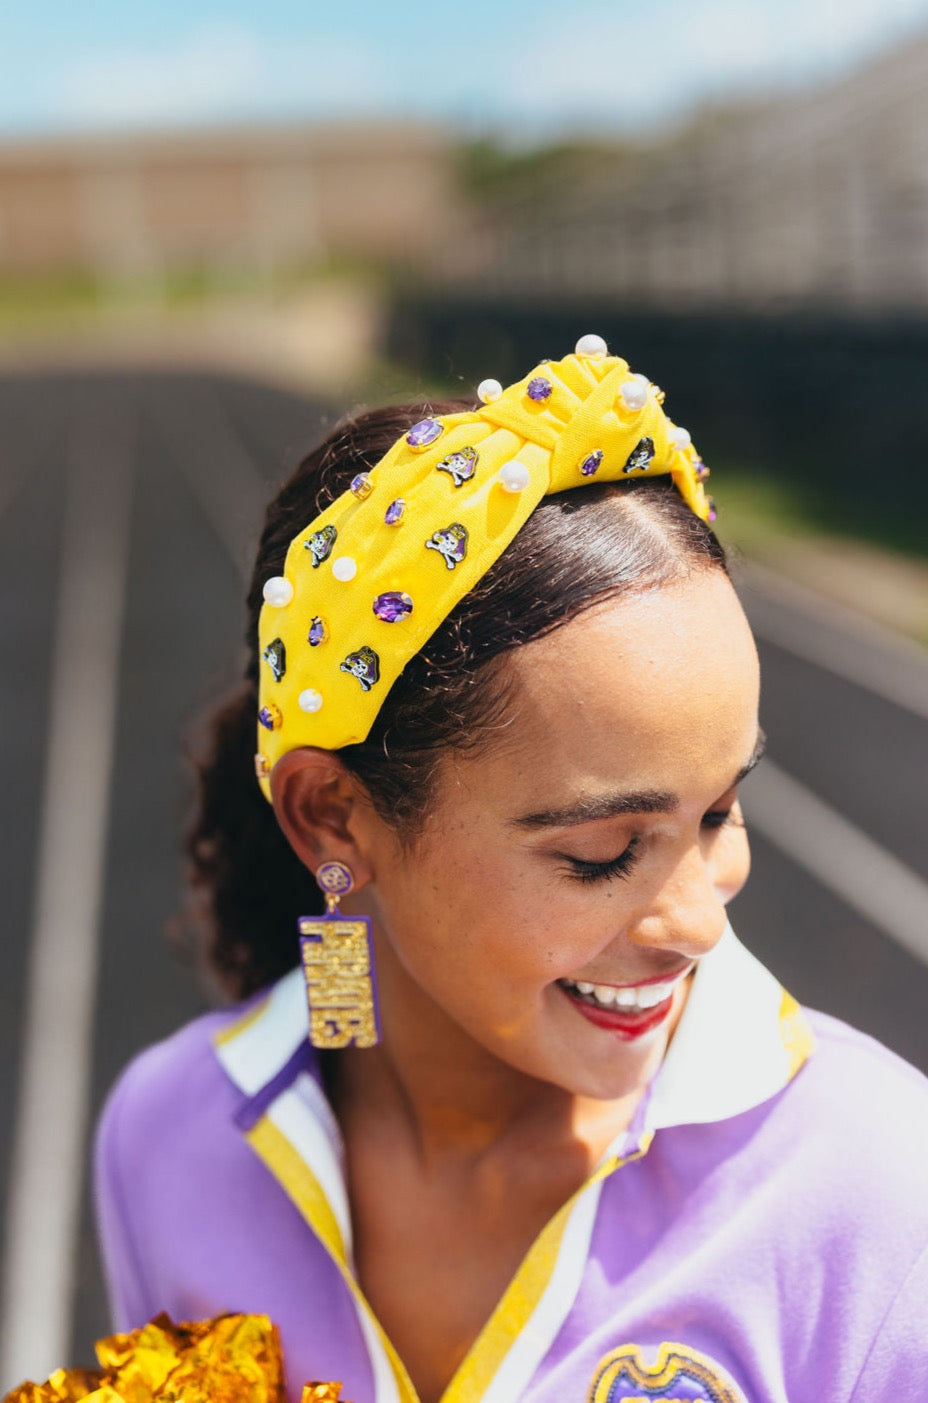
<point>128,509</point>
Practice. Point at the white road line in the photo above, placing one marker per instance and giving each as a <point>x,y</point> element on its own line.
<point>47,1172</point>
<point>835,638</point>
<point>817,838</point>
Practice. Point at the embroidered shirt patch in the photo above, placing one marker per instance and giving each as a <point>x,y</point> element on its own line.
<point>679,1375</point>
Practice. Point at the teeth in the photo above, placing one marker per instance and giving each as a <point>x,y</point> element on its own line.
<point>637,997</point>
<point>654,994</point>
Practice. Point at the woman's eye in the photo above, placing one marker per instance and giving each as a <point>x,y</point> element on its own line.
<point>585,871</point>
<point>718,818</point>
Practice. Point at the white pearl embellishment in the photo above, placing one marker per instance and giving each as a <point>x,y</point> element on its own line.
<point>278,591</point>
<point>310,700</point>
<point>680,438</point>
<point>488,391</point>
<point>514,476</point>
<point>635,392</point>
<point>591,345</point>
<point>344,568</point>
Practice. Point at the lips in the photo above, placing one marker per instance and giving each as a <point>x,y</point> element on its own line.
<point>630,1010</point>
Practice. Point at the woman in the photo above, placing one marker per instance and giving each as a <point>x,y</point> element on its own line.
<point>577,1142</point>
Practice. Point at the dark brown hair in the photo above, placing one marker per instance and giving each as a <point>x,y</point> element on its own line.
<point>577,549</point>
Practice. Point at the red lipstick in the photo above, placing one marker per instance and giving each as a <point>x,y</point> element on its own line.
<point>625,1025</point>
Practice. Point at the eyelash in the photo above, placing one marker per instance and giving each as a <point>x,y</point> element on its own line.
<point>600,871</point>
<point>622,865</point>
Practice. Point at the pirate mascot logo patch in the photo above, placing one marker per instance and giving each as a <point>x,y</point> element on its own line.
<point>451,543</point>
<point>461,465</point>
<point>364,665</point>
<point>678,1375</point>
<point>320,544</point>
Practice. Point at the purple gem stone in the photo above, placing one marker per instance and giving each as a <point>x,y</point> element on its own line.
<point>713,510</point>
<point>392,606</point>
<point>701,470</point>
<point>316,632</point>
<point>539,388</point>
<point>269,717</point>
<point>424,433</point>
<point>590,464</point>
<point>394,513</point>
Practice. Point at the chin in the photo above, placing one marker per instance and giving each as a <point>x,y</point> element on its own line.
<point>608,1083</point>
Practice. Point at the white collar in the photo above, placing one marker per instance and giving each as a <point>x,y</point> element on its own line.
<point>740,1040</point>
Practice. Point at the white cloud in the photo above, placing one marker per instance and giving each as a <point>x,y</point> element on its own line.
<point>216,73</point>
<point>654,60</point>
<point>622,63</point>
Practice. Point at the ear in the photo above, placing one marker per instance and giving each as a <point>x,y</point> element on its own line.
<point>316,802</point>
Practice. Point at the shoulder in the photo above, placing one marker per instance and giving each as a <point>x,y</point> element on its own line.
<point>852,1126</point>
<point>852,1080</point>
<point>175,1091</point>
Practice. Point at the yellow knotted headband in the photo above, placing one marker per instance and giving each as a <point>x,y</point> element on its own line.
<point>367,583</point>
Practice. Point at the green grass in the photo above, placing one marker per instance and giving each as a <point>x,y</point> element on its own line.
<point>756,507</point>
<point>41,302</point>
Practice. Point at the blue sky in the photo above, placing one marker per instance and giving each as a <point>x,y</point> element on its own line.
<point>533,68</point>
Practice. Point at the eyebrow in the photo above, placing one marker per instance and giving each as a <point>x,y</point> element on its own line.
<point>589,808</point>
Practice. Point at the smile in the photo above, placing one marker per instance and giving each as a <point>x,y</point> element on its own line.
<point>626,998</point>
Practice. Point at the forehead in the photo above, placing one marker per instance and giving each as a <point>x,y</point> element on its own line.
<point>649,689</point>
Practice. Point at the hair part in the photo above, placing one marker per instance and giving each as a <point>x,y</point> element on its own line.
<point>577,550</point>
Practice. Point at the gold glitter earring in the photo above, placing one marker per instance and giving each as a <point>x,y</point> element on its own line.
<point>338,966</point>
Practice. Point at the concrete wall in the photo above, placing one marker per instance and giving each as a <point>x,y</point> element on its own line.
<point>247,199</point>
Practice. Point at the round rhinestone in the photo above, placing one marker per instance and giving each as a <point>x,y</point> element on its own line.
<point>278,591</point>
<point>514,476</point>
<point>634,392</point>
<point>539,389</point>
<point>489,391</point>
<point>591,345</point>
<point>345,568</point>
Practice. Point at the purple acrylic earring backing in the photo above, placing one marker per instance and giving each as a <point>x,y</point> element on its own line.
<point>338,967</point>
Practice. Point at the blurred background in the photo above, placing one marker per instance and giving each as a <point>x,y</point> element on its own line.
<point>220,227</point>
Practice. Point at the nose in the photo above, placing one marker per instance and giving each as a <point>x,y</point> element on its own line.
<point>686,915</point>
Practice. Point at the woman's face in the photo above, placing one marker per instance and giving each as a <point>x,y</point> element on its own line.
<point>573,871</point>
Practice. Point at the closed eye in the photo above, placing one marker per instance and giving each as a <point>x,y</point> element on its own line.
<point>584,871</point>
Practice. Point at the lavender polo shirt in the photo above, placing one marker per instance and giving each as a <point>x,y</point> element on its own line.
<point>759,1236</point>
